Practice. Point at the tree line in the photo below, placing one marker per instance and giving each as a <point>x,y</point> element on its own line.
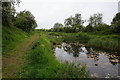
<point>26,21</point>
<point>23,20</point>
<point>95,24</point>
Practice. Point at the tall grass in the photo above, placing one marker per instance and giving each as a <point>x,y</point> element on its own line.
<point>110,42</point>
<point>77,38</point>
<point>43,64</point>
<point>104,43</point>
<point>11,37</point>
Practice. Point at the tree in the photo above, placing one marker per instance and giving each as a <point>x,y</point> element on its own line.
<point>56,25</point>
<point>69,22</point>
<point>25,21</point>
<point>77,28</point>
<point>72,21</point>
<point>88,28</point>
<point>8,12</point>
<point>78,19</point>
<point>95,19</point>
<point>102,29</point>
<point>116,23</point>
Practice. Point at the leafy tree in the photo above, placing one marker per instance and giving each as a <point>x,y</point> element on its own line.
<point>8,12</point>
<point>69,22</point>
<point>25,21</point>
<point>56,25</point>
<point>116,23</point>
<point>116,18</point>
<point>101,27</point>
<point>77,28</point>
<point>88,28</point>
<point>95,19</point>
<point>72,21</point>
<point>78,19</point>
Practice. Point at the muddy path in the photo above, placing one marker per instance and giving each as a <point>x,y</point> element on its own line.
<point>15,59</point>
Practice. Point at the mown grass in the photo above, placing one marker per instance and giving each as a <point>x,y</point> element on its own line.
<point>110,42</point>
<point>11,37</point>
<point>43,64</point>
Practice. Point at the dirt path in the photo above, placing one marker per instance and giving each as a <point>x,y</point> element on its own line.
<point>12,63</point>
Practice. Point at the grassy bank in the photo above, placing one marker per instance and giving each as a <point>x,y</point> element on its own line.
<point>43,64</point>
<point>11,37</point>
<point>109,42</point>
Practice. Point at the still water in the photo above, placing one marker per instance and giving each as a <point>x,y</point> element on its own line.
<point>98,63</point>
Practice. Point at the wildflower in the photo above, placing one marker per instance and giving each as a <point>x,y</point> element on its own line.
<point>42,45</point>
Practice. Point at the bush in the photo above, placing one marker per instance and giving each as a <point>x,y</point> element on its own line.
<point>116,23</point>
<point>25,21</point>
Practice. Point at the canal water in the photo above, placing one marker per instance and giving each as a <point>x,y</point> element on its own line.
<point>98,63</point>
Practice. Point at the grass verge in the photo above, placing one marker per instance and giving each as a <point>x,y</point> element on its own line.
<point>11,37</point>
<point>43,64</point>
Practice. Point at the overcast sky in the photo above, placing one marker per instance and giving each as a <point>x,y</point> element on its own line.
<point>48,12</point>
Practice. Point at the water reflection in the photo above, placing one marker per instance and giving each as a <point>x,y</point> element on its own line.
<point>98,63</point>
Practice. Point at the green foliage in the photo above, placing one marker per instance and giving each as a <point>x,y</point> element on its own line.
<point>77,28</point>
<point>116,23</point>
<point>98,29</point>
<point>11,37</point>
<point>42,63</point>
<point>8,12</point>
<point>74,29</point>
<point>116,18</point>
<point>57,29</point>
<point>104,42</point>
<point>101,27</point>
<point>25,21</point>
<point>57,25</point>
<point>88,28</point>
<point>75,24</point>
<point>110,42</point>
<point>68,29</point>
<point>72,21</point>
<point>80,37</point>
<point>78,19</point>
<point>95,19</point>
<point>68,22</point>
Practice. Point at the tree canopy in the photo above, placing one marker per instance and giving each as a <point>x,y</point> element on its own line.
<point>95,19</point>
<point>57,25</point>
<point>116,23</point>
<point>25,21</point>
<point>72,21</point>
<point>8,12</point>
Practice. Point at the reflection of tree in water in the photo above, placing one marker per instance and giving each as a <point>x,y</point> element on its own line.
<point>74,49</point>
<point>71,49</point>
<point>92,55</point>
